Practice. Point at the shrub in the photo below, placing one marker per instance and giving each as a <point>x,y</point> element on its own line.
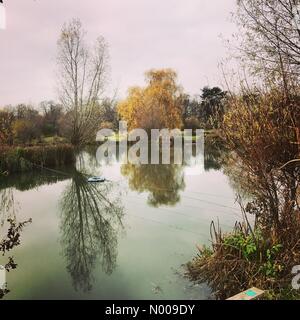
<point>240,260</point>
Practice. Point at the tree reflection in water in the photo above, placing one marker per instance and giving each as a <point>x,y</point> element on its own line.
<point>215,154</point>
<point>163,182</point>
<point>8,207</point>
<point>10,228</point>
<point>90,225</point>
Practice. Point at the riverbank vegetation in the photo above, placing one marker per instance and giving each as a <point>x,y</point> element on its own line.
<point>261,129</point>
<point>261,252</point>
<point>28,158</point>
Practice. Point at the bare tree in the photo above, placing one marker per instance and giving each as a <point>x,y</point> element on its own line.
<point>271,38</point>
<point>81,80</point>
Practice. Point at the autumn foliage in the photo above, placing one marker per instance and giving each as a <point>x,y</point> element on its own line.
<point>155,106</point>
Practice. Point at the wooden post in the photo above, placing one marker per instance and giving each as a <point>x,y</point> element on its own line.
<point>250,294</point>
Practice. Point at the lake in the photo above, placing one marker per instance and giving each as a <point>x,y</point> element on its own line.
<point>126,238</point>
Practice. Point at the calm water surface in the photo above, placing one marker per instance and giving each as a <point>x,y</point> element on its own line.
<point>125,239</point>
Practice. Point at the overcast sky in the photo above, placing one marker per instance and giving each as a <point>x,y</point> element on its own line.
<point>142,34</point>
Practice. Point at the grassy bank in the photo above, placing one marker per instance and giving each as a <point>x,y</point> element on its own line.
<point>23,159</point>
<point>121,137</point>
<point>246,258</point>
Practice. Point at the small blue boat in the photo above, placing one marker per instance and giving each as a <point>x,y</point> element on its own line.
<point>96,179</point>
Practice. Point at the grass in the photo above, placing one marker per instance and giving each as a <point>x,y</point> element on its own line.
<point>118,138</point>
<point>54,140</point>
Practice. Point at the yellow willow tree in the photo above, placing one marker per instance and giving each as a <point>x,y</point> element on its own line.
<point>156,106</point>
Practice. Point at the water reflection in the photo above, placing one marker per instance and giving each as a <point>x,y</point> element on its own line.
<point>90,224</point>
<point>91,214</point>
<point>10,229</point>
<point>22,182</point>
<point>8,206</point>
<point>215,153</point>
<point>163,182</point>
<point>9,242</point>
<point>91,218</point>
<point>31,180</point>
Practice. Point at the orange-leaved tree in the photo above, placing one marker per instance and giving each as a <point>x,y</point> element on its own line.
<point>157,105</point>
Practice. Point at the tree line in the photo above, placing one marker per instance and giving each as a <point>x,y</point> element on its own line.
<point>26,124</point>
<point>82,108</point>
<point>162,103</point>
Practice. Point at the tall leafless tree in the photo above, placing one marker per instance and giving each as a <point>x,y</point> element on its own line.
<point>82,75</point>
